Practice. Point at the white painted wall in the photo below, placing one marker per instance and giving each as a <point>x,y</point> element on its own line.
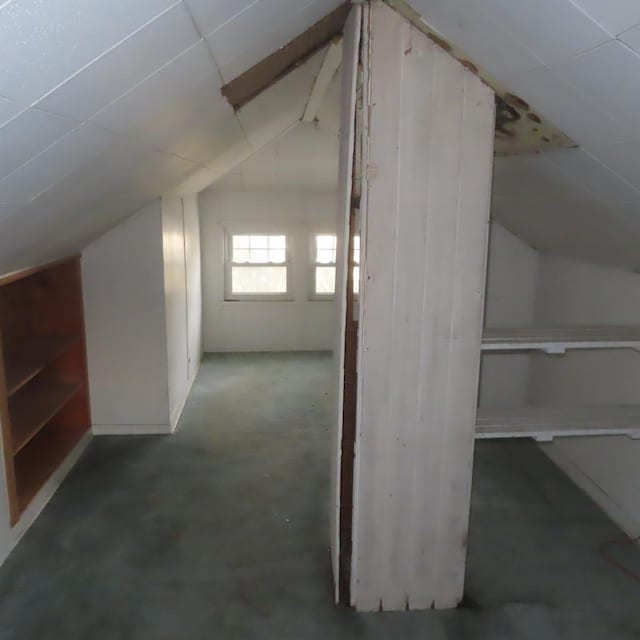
<point>297,325</point>
<point>124,301</point>
<point>194,282</point>
<point>512,279</point>
<point>572,292</point>
<point>141,283</point>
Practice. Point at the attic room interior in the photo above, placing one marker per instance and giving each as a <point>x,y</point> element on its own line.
<point>319,319</point>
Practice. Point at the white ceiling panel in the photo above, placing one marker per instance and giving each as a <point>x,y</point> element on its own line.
<point>623,159</point>
<point>61,159</point>
<point>47,41</point>
<point>552,29</point>
<point>609,77</point>
<point>261,20</point>
<point>567,108</point>
<point>210,16</point>
<point>157,109</point>
<point>27,135</point>
<point>632,38</point>
<point>614,15</point>
<point>487,44</point>
<point>589,174</point>
<point>8,110</point>
<point>124,66</point>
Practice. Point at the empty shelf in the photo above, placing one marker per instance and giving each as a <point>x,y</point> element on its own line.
<point>558,339</point>
<point>32,408</point>
<point>27,359</point>
<point>543,423</point>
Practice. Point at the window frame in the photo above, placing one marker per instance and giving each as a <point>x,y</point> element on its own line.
<point>313,295</point>
<point>229,295</point>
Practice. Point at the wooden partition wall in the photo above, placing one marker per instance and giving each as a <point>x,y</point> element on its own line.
<point>426,146</point>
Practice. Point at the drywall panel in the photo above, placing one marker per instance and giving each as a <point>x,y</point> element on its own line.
<point>194,283</point>
<point>175,291</point>
<point>572,292</point>
<point>425,240</point>
<point>512,278</point>
<point>297,325</point>
<point>125,320</point>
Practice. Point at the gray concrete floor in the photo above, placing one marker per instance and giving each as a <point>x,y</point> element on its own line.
<point>220,531</point>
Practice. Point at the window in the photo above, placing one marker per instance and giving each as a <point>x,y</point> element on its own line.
<point>356,262</point>
<point>257,267</point>
<point>324,266</point>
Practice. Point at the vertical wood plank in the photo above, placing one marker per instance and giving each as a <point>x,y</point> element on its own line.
<point>425,220</point>
<point>351,42</point>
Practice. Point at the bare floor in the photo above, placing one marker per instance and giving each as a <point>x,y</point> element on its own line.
<point>221,530</point>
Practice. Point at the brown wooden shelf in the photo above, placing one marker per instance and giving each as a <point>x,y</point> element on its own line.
<point>35,464</point>
<point>34,406</point>
<point>28,358</point>
<point>44,386</point>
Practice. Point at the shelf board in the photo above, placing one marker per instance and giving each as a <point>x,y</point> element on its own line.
<point>559,339</point>
<point>28,358</point>
<point>32,408</point>
<point>39,460</point>
<point>545,423</point>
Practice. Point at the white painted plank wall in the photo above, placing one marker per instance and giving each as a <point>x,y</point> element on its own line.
<point>425,237</point>
<point>351,43</point>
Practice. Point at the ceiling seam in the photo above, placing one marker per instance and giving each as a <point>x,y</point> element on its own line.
<point>107,51</point>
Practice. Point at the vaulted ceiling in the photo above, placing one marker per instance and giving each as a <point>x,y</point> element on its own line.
<point>106,104</point>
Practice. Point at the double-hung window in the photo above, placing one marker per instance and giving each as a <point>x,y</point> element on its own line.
<point>257,267</point>
<point>324,266</point>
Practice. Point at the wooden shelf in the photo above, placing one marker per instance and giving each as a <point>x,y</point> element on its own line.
<point>44,387</point>
<point>28,358</point>
<point>35,464</point>
<point>559,339</point>
<point>544,423</point>
<point>34,406</point>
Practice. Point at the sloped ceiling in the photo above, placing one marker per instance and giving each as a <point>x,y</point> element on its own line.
<point>105,105</point>
<point>578,63</point>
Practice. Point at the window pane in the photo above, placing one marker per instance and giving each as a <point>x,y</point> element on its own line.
<point>277,242</point>
<point>259,242</point>
<point>356,249</point>
<point>356,280</point>
<point>259,279</point>
<point>326,256</point>
<point>326,242</point>
<point>277,255</point>
<point>241,255</point>
<point>325,280</point>
<point>259,255</point>
<point>326,249</point>
<point>240,242</point>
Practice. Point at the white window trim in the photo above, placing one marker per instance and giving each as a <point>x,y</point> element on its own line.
<point>313,296</point>
<point>229,296</point>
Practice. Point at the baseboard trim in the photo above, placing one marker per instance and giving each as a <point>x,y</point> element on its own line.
<point>628,523</point>
<point>43,496</point>
<point>130,429</point>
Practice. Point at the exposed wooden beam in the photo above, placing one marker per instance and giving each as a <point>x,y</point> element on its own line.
<point>262,75</point>
<point>330,64</point>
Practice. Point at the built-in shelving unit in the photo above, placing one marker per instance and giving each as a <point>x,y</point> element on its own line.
<point>560,339</point>
<point>546,423</point>
<point>44,394</point>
